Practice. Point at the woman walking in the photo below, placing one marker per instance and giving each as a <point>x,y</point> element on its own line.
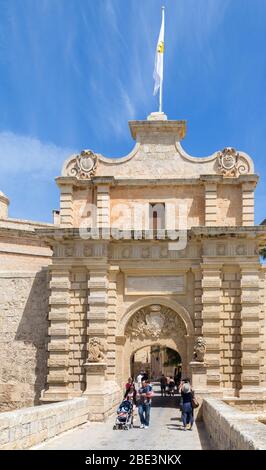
<point>129,384</point>
<point>187,396</point>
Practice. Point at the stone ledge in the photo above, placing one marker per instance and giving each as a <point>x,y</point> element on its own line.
<point>232,429</point>
<point>27,427</point>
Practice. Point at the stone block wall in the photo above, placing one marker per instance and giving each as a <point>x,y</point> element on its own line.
<point>190,196</point>
<point>263,326</point>
<point>229,205</point>
<point>23,337</point>
<point>232,429</point>
<point>30,426</point>
<point>78,331</point>
<point>230,341</point>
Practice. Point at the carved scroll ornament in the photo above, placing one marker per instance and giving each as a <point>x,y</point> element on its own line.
<point>83,166</point>
<point>231,163</point>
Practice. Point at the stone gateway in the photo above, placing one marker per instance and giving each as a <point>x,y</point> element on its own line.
<point>157,248</point>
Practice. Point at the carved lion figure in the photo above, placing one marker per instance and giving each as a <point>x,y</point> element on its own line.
<point>96,350</point>
<point>199,349</point>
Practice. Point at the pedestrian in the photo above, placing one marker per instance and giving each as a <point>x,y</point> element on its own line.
<point>163,382</point>
<point>145,375</point>
<point>171,386</point>
<point>145,394</point>
<point>139,378</point>
<point>129,383</point>
<point>187,396</point>
<point>177,379</point>
<point>131,395</point>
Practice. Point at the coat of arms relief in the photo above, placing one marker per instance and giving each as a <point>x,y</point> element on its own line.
<point>83,166</point>
<point>231,163</point>
<point>154,322</point>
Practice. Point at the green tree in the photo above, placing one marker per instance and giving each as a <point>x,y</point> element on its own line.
<point>263,252</point>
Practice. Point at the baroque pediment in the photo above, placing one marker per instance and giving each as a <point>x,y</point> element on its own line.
<point>158,154</point>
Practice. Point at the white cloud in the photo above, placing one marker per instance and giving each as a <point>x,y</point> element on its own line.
<point>27,155</point>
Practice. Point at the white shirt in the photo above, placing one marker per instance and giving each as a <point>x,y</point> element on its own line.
<point>139,378</point>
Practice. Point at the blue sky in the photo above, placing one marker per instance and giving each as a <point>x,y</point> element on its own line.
<point>73,72</point>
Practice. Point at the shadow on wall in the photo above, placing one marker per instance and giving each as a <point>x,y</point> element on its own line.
<point>24,340</point>
<point>33,331</point>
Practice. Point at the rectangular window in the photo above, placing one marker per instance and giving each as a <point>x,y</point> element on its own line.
<point>157,215</point>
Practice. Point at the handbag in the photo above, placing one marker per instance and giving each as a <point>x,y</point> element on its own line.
<point>195,403</point>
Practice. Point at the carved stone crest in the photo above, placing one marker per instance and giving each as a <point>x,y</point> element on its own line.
<point>84,165</point>
<point>199,349</point>
<point>155,321</point>
<point>96,350</point>
<point>231,163</point>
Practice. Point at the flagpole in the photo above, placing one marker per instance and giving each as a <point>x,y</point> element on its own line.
<point>161,85</point>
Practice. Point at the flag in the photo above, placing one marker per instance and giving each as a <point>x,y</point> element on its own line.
<point>158,65</point>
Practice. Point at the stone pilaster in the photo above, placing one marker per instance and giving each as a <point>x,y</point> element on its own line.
<point>58,346</point>
<point>97,303</point>
<point>211,316</point>
<point>197,300</point>
<point>248,204</point>
<point>97,391</point>
<point>66,206</point>
<point>102,390</point>
<point>103,206</point>
<point>250,329</point>
<point>210,204</point>
<point>198,376</point>
<point>111,322</point>
<point>78,331</point>
<point>263,328</point>
<point>230,331</point>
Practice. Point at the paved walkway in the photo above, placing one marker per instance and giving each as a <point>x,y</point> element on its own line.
<point>165,432</point>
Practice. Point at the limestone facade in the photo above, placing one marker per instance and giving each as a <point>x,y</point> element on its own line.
<point>156,248</point>
<point>24,298</point>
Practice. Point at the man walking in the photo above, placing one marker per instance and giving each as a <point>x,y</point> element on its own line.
<point>163,383</point>
<point>145,394</point>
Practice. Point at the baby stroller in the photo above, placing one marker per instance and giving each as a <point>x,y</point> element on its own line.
<point>124,419</point>
<point>171,388</point>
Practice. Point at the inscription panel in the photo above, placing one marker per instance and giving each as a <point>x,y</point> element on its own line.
<point>155,285</point>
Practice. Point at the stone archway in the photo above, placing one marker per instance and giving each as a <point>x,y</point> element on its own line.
<point>155,360</point>
<point>150,325</point>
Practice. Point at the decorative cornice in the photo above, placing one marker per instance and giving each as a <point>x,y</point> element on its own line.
<point>113,181</point>
<point>58,233</point>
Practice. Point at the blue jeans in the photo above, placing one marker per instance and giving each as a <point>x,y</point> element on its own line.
<point>187,414</point>
<point>144,413</point>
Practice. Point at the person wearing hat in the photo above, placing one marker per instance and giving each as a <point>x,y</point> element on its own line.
<point>187,395</point>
